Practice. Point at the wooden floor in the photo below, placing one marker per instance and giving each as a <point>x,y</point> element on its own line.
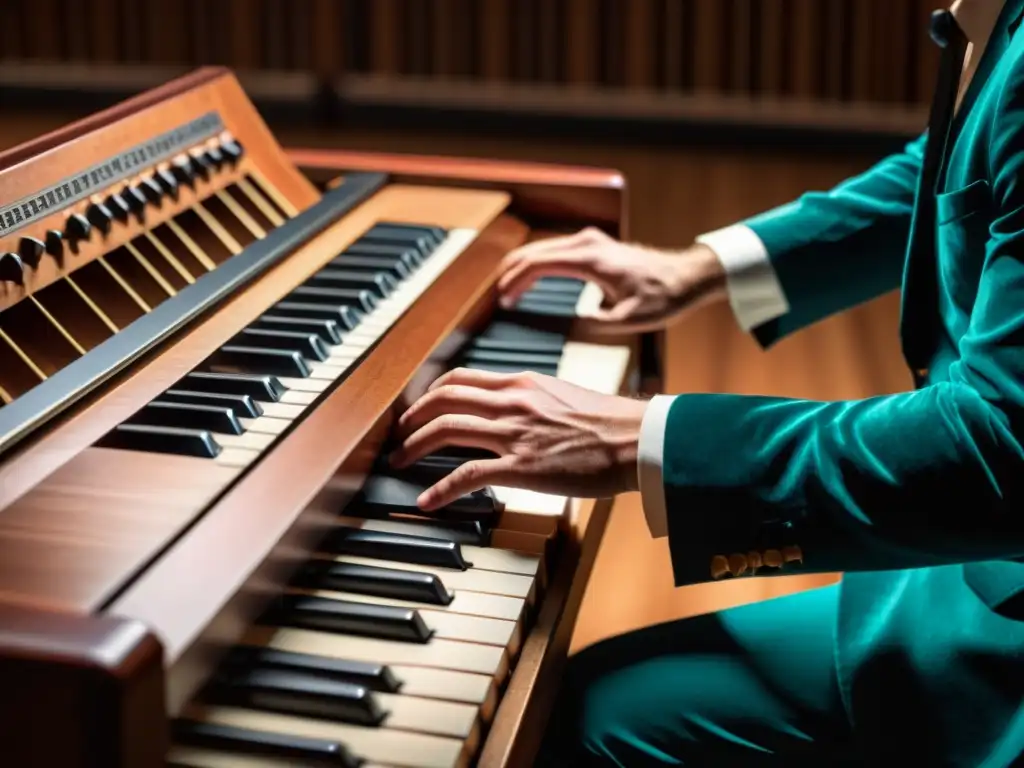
<point>676,194</point>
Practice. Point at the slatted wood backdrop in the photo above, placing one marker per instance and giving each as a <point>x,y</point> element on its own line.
<point>827,52</point>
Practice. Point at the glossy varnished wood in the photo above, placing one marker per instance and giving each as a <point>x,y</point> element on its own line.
<point>177,600</point>
<point>543,194</point>
<point>99,140</point>
<point>79,691</point>
<point>75,538</point>
<point>99,575</point>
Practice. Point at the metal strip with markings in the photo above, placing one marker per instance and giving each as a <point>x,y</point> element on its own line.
<point>121,166</point>
<point>68,385</point>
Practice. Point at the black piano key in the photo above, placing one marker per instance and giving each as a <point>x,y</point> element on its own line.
<point>555,300</point>
<point>384,622</point>
<point>400,547</point>
<point>309,345</point>
<point>540,346</point>
<point>328,330</point>
<point>376,677</point>
<point>525,359</point>
<point>387,494</point>
<point>558,286</point>
<point>506,330</point>
<point>381,284</point>
<point>397,253</point>
<point>161,413</point>
<point>296,693</point>
<point>191,733</point>
<point>360,298</point>
<point>374,580</point>
<point>423,244</point>
<point>263,388</point>
<point>393,229</point>
<point>243,406</point>
<point>346,317</point>
<point>150,439</point>
<point>548,309</point>
<point>269,362</point>
<point>350,261</point>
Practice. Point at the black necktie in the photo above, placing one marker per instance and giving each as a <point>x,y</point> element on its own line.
<point>920,307</point>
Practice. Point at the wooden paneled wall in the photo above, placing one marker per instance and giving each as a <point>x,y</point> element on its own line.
<point>826,52</point>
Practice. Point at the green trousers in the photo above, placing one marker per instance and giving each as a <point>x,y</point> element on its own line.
<point>751,686</point>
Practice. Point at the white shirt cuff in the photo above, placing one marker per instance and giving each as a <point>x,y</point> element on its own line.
<point>754,290</point>
<point>650,456</point>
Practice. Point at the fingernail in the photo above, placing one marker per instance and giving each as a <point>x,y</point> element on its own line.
<point>506,302</point>
<point>423,501</point>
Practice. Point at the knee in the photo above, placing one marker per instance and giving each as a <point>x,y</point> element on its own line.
<point>608,715</point>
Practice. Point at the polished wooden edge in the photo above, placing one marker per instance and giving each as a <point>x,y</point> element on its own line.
<point>517,731</point>
<point>79,128</point>
<point>112,646</point>
<point>100,677</point>
<point>259,512</point>
<point>493,171</point>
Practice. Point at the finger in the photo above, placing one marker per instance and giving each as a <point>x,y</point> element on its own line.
<point>471,476</point>
<point>546,245</point>
<point>451,430</point>
<point>456,399</point>
<point>471,377</point>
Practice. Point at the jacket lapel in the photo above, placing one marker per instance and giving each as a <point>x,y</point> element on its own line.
<point>920,324</point>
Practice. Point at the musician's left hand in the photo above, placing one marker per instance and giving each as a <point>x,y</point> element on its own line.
<point>549,435</point>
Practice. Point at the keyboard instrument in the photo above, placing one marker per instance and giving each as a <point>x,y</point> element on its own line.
<point>206,560</point>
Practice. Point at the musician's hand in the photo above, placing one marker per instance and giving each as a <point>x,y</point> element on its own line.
<point>644,289</point>
<point>549,435</point>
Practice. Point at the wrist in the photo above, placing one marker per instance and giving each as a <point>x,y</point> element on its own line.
<point>707,273</point>
<point>625,447</point>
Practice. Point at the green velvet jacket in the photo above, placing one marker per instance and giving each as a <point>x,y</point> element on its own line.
<point>918,497</point>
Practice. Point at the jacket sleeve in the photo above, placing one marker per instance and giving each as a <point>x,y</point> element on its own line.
<point>929,477</point>
<point>833,250</point>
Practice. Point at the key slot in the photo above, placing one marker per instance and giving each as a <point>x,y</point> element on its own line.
<point>68,307</point>
<point>205,239</point>
<point>161,254</point>
<point>235,227</point>
<point>259,207</point>
<point>218,229</point>
<point>272,195</point>
<point>239,212</point>
<point>39,339</point>
<point>57,325</point>
<point>108,290</point>
<point>18,374</point>
<point>132,270</point>
<point>189,250</point>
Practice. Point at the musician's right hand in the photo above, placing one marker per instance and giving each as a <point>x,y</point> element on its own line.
<point>644,289</point>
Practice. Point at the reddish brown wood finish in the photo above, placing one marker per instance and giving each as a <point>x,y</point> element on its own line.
<point>101,570</point>
<point>177,600</point>
<point>79,692</point>
<point>542,194</point>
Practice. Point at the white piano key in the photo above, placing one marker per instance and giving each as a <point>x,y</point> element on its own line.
<point>325,372</point>
<point>438,652</point>
<point>382,745</point>
<point>599,367</point>
<point>250,441</point>
<point>280,410</point>
<point>473,580</point>
<point>530,502</point>
<point>441,718</point>
<point>463,601</point>
<point>265,425</point>
<point>446,684</point>
<point>238,458</point>
<point>316,386</point>
<point>294,397</point>
<point>590,300</point>
<point>500,560</point>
